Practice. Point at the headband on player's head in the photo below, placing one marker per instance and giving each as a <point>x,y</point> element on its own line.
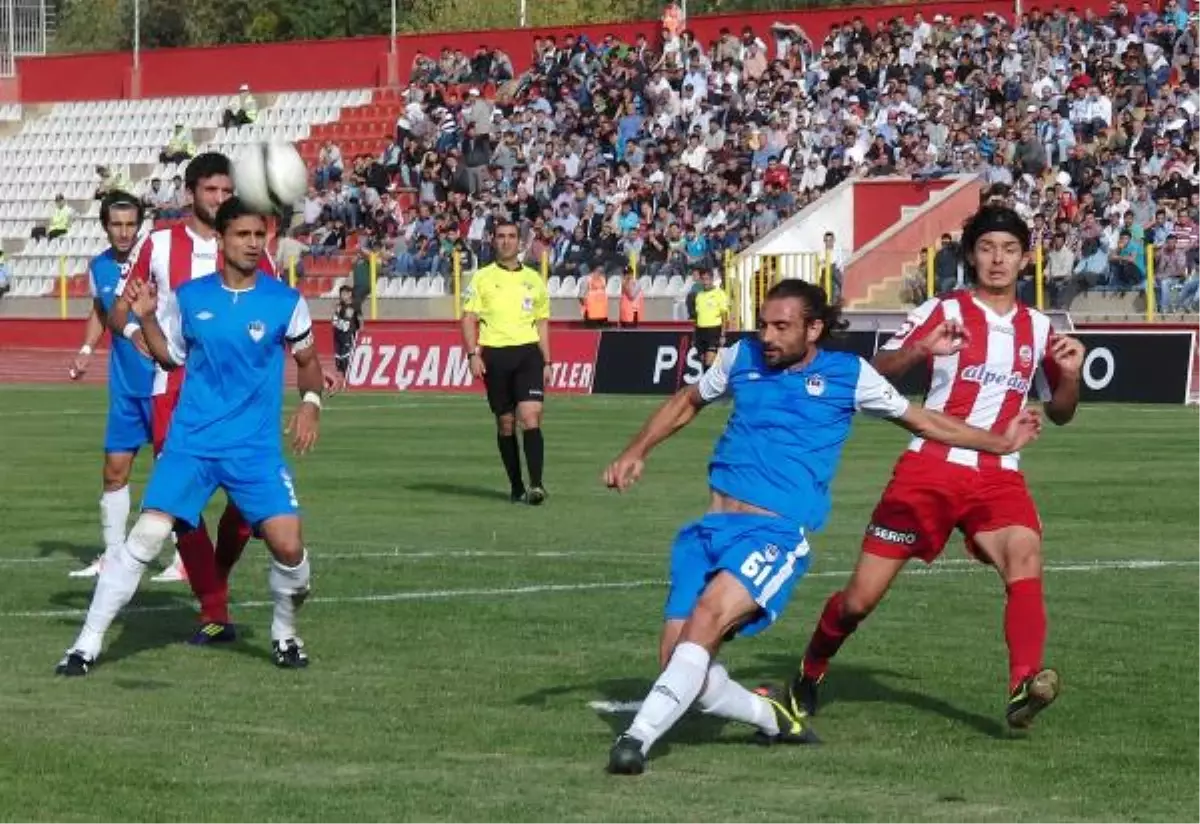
<point>120,200</point>
<point>995,219</point>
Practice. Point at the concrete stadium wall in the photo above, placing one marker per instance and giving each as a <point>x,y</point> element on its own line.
<point>363,62</point>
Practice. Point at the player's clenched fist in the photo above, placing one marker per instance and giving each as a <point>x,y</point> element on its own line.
<point>947,337</point>
<point>143,298</point>
<point>624,471</point>
<point>1023,430</point>
<point>1067,353</point>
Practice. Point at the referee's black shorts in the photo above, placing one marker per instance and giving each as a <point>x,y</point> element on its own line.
<point>707,339</point>
<point>513,375</point>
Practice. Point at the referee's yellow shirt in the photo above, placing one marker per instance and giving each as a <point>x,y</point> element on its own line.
<point>711,308</point>
<point>509,304</point>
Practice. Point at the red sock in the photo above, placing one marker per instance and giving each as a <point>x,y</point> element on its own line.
<point>196,552</point>
<point>233,533</point>
<point>832,631</point>
<point>1024,628</point>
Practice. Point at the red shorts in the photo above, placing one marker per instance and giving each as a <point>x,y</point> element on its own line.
<point>928,497</point>
<point>161,409</point>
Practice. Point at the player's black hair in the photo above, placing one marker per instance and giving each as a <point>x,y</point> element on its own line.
<point>995,219</point>
<point>203,166</point>
<point>502,222</point>
<point>817,303</point>
<point>231,210</point>
<point>120,200</point>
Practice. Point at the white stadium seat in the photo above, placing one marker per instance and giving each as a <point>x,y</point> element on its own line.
<point>58,152</point>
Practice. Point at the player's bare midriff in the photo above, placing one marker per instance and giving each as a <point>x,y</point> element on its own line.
<point>720,502</point>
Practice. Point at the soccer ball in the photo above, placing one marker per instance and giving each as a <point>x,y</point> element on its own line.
<point>269,176</point>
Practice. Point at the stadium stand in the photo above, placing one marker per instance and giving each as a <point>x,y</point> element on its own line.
<point>676,154</point>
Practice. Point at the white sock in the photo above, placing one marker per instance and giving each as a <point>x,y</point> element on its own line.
<point>727,698</point>
<point>115,586</point>
<point>119,579</point>
<point>114,514</point>
<point>289,586</point>
<point>674,691</point>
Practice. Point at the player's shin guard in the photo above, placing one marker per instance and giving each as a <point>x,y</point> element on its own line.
<point>674,691</point>
<point>511,456</point>
<point>726,698</point>
<point>289,588</point>
<point>832,631</point>
<point>1024,628</point>
<point>119,580</point>
<point>535,455</point>
<point>114,517</point>
<point>233,533</point>
<point>199,560</point>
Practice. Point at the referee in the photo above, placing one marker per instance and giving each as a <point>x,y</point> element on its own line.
<point>506,328</point>
<point>712,311</point>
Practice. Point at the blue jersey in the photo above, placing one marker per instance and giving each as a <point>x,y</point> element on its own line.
<point>234,344</point>
<point>781,446</point>
<point>130,373</point>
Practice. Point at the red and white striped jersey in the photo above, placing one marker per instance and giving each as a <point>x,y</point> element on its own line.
<point>987,383</point>
<point>171,257</point>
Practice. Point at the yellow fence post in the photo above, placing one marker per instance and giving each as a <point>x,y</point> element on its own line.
<point>1151,297</point>
<point>62,288</point>
<point>827,276</point>
<point>457,274</point>
<point>1039,277</point>
<point>374,270</point>
<point>930,276</point>
<point>545,263</point>
<point>292,273</point>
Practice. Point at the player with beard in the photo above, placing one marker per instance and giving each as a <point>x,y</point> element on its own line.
<point>770,479</point>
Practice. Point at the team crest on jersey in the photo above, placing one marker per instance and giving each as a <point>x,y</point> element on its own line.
<point>815,385</point>
<point>257,329</point>
<point>527,304</point>
<point>1025,353</point>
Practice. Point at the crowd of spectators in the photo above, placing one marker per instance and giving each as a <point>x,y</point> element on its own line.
<point>676,151</point>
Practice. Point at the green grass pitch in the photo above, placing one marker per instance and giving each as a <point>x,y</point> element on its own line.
<point>458,641</point>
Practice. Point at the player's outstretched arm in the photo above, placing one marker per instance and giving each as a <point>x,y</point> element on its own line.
<point>875,396</point>
<point>935,426</point>
<point>677,412</point>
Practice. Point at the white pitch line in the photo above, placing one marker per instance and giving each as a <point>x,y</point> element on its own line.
<point>397,553</point>
<point>538,589</point>
<point>384,598</point>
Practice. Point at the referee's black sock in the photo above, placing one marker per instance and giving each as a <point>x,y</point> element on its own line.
<point>511,455</point>
<point>535,452</point>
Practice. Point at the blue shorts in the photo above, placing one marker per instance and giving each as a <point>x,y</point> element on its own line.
<point>259,485</point>
<point>768,555</point>
<point>129,424</point>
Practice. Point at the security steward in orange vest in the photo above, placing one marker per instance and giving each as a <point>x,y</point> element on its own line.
<point>593,298</point>
<point>633,301</point>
